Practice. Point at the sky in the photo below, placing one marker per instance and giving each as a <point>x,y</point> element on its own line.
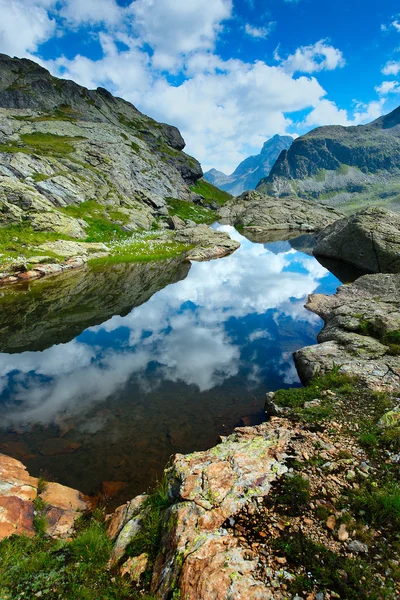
<point>228,73</point>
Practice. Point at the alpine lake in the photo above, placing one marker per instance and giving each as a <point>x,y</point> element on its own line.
<point>107,372</point>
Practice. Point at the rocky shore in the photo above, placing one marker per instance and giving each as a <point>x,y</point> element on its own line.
<point>197,243</point>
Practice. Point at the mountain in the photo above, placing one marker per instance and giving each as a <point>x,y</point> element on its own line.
<point>348,166</point>
<point>254,168</point>
<point>73,160</point>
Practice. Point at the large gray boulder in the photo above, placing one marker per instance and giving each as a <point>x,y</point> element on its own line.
<point>361,336</point>
<point>369,240</point>
<point>263,213</point>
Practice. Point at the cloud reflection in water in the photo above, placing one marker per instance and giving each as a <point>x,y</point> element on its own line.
<point>241,316</point>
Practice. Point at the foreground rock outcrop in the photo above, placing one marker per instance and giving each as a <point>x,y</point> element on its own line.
<point>18,508</point>
<point>361,336</point>
<point>257,212</point>
<point>369,240</point>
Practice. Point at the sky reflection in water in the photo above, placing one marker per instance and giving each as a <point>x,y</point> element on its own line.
<point>227,331</point>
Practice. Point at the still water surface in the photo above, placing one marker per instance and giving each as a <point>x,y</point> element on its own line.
<point>88,396</point>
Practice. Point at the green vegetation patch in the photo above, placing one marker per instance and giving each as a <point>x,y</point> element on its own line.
<point>352,579</point>
<point>44,144</point>
<point>296,397</point>
<point>20,241</point>
<point>49,569</point>
<point>143,247</point>
<point>210,192</point>
<point>187,210</point>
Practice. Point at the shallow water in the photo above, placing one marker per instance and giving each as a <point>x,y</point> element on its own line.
<point>87,396</point>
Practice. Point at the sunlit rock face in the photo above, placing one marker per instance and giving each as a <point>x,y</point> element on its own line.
<point>62,144</point>
<point>167,376</point>
<point>361,333</point>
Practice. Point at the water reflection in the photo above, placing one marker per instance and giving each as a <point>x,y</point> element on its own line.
<point>169,376</point>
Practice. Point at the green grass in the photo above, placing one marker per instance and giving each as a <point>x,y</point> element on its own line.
<point>187,210</point>
<point>54,570</point>
<point>323,569</point>
<point>15,239</point>
<point>320,176</point>
<point>378,505</point>
<point>210,192</point>
<point>44,144</point>
<point>146,248</point>
<point>296,397</point>
<point>40,177</point>
<point>294,494</point>
<point>149,536</point>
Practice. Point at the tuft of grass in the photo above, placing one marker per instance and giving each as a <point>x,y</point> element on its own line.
<point>210,192</point>
<point>368,440</point>
<point>148,538</point>
<point>379,506</point>
<point>42,485</point>
<point>294,493</point>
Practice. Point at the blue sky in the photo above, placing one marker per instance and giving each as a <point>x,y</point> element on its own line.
<point>229,73</point>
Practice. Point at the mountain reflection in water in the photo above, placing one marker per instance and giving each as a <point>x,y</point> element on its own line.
<point>114,400</point>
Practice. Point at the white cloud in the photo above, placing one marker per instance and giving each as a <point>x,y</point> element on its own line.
<point>174,28</point>
<point>92,11</point>
<point>327,113</point>
<point>388,87</point>
<point>396,25</point>
<point>313,58</point>
<point>25,25</point>
<point>258,32</point>
<point>391,68</point>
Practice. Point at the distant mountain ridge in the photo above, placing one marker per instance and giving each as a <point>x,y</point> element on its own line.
<point>341,165</point>
<point>254,168</point>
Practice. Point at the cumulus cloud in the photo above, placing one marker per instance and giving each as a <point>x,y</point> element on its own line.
<point>316,57</point>
<point>391,68</point>
<point>92,11</point>
<point>25,25</point>
<point>174,28</point>
<point>327,113</point>
<point>258,32</point>
<point>388,87</point>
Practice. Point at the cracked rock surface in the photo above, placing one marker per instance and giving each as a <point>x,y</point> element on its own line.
<point>369,240</point>
<point>361,332</point>
<point>259,212</point>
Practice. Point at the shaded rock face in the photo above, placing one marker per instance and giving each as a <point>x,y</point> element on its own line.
<point>361,333</point>
<point>258,212</point>
<point>254,168</point>
<point>61,145</point>
<point>18,490</point>
<point>199,557</point>
<point>62,307</point>
<point>369,240</point>
<point>359,163</point>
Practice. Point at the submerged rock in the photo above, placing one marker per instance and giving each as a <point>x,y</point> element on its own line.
<point>258,213</point>
<point>361,335</point>
<point>369,240</point>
